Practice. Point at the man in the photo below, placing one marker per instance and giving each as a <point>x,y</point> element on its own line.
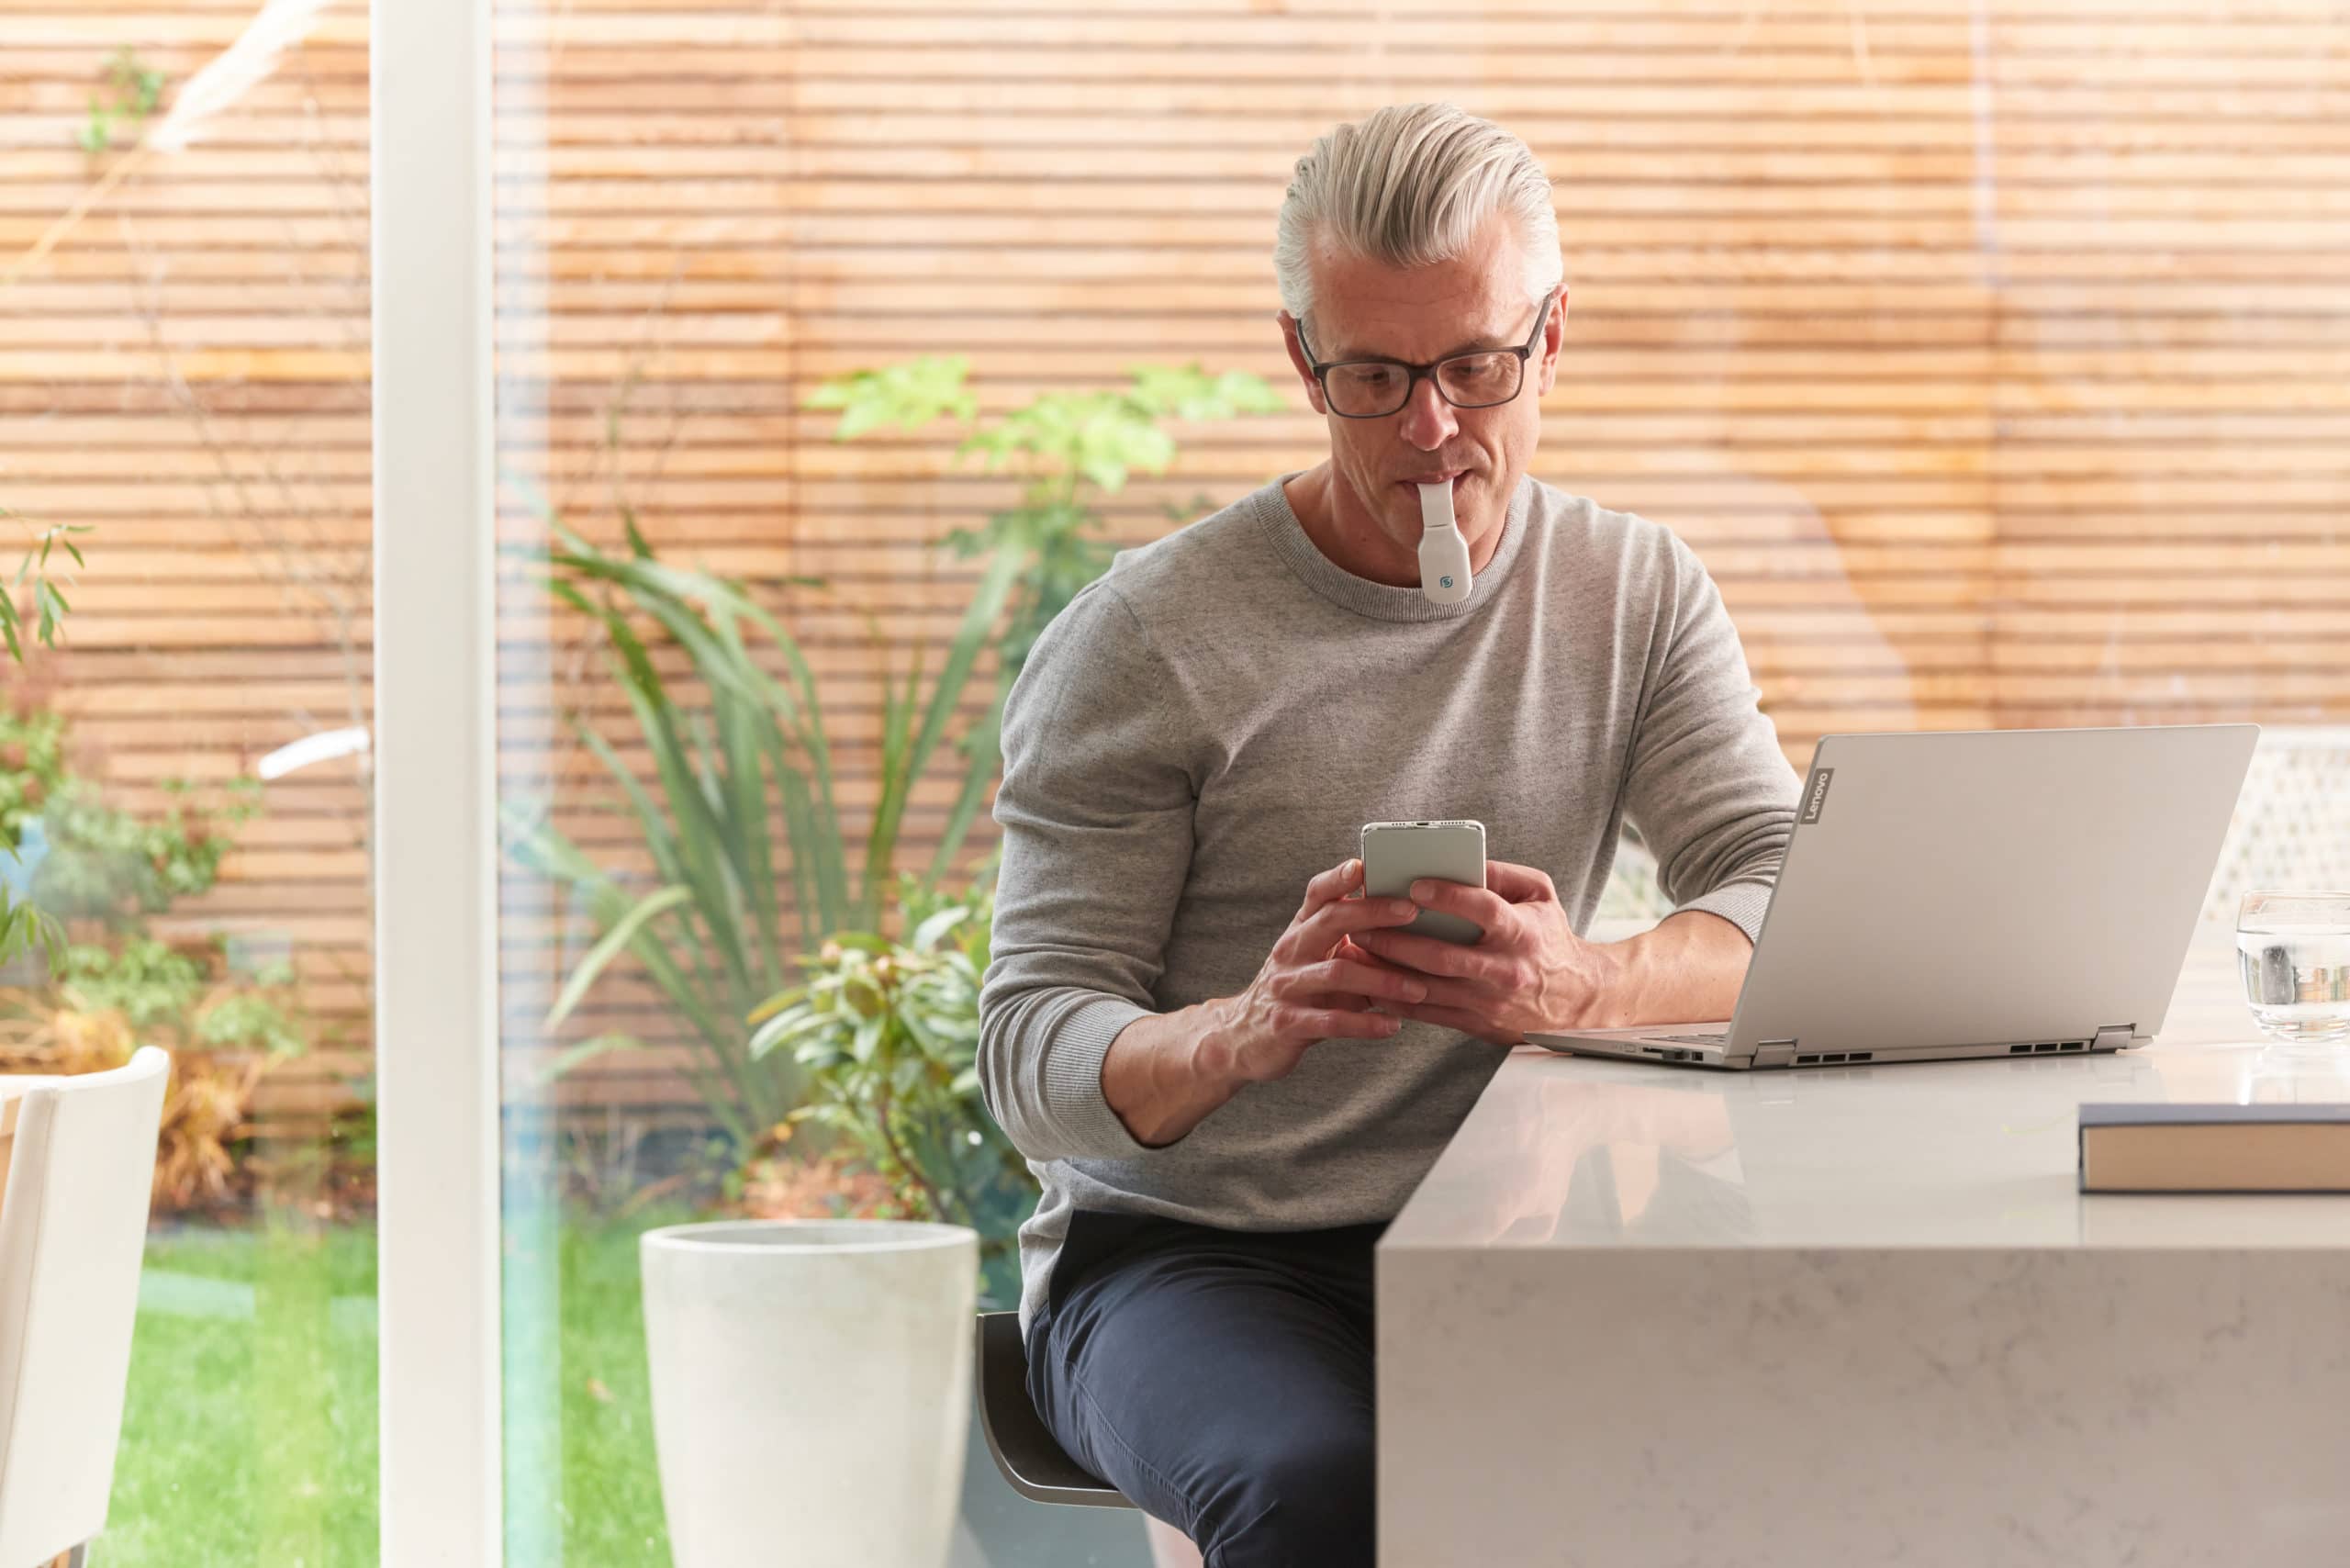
<point>1227,1091</point>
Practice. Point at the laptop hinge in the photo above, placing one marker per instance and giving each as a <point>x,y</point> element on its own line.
<point>2114,1038</point>
<point>1774,1053</point>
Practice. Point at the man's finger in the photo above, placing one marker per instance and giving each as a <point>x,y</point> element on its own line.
<point>1519,884</point>
<point>1432,957</point>
<point>1332,884</point>
<point>1352,917</point>
<point>1347,1024</point>
<point>1455,993</point>
<point>1383,981</point>
<point>1347,950</point>
<point>1487,909</point>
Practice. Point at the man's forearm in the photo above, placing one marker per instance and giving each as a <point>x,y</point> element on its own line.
<point>1687,969</point>
<point>1161,1074</point>
<point>1166,1073</point>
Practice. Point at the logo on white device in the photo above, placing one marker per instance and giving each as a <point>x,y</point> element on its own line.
<point>1444,555</point>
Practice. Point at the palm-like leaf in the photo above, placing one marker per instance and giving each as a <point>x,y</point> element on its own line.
<point>733,795</point>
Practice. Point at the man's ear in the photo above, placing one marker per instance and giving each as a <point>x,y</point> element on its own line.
<point>1298,361</point>
<point>1554,335</point>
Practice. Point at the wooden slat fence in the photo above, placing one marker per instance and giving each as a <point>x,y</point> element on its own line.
<point>1995,357</point>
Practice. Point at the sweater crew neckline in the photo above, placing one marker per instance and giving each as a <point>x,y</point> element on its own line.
<point>1383,601</point>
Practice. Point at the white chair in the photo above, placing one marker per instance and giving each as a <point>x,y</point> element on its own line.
<point>73,1193</point>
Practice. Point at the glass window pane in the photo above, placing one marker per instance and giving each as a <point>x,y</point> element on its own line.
<point>184,774</point>
<point>705,806</point>
<point>1967,349</point>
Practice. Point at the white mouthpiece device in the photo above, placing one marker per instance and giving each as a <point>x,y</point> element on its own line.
<point>1444,555</point>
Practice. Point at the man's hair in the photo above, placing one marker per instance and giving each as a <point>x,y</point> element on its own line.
<point>1410,185</point>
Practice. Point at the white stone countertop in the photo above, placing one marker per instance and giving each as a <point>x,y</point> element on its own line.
<point>1587,1153</point>
<point>1850,1315</point>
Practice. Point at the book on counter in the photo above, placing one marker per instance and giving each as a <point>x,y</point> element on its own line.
<point>2222,1147</point>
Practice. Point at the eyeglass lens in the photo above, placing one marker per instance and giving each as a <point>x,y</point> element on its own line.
<point>1365,389</point>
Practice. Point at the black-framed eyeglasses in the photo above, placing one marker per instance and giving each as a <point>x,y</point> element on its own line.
<point>1374,388</point>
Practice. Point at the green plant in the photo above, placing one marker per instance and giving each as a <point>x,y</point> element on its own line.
<point>1069,449</point>
<point>888,1031</point>
<point>97,861</point>
<point>709,929</point>
<point>276,26</point>
<point>49,597</point>
<point>24,924</point>
<point>710,932</point>
<point>192,998</point>
<point>225,1028</point>
<point>131,92</point>
<point>152,984</point>
<point>85,859</point>
<point>32,768</point>
<point>103,863</point>
<point>225,1022</point>
<point>254,1016</point>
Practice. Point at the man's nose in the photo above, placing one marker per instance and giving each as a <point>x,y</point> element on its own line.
<point>1427,417</point>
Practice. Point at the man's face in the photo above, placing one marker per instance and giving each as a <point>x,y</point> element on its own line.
<point>1365,309</point>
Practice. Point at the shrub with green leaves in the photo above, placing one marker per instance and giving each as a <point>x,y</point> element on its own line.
<point>735,752</point>
<point>109,872</point>
<point>97,861</point>
<point>24,924</point>
<point>103,863</point>
<point>888,1033</point>
<point>99,864</point>
<point>741,747</point>
<point>195,998</point>
<point>1069,449</point>
<point>32,769</point>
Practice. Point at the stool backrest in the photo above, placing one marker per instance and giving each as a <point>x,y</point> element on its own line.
<point>73,1229</point>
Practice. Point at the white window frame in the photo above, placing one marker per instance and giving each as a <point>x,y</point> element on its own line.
<point>435,782</point>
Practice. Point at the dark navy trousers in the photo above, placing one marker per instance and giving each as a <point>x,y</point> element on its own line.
<point>1222,1380</point>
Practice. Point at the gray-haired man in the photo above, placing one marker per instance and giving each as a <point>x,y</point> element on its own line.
<point>1227,1091</point>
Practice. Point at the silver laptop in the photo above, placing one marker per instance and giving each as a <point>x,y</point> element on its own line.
<point>1974,894</point>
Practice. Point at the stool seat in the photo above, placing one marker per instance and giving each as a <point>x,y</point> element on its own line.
<point>1023,1448</point>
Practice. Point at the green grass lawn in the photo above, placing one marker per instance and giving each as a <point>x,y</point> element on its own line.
<point>248,1437</point>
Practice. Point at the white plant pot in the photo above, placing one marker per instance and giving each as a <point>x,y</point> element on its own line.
<point>811,1389</point>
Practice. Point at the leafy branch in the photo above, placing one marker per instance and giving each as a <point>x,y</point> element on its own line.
<point>24,925</point>
<point>49,600</point>
<point>1069,449</point>
<point>132,90</point>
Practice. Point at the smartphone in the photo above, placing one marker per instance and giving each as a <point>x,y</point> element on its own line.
<point>1395,855</point>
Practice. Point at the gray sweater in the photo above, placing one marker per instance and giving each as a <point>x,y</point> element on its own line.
<point>1211,724</point>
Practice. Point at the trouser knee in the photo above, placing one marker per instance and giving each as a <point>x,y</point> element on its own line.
<point>1312,1505</point>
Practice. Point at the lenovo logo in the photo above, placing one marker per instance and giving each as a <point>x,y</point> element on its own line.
<point>1815,795</point>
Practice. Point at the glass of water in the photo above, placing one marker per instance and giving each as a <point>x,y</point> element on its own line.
<point>2294,950</point>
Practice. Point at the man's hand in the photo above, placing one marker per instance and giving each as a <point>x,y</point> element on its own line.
<point>1530,971</point>
<point>1318,983</point>
<point>1167,1073</point>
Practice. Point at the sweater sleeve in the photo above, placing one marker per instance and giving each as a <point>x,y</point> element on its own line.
<point>1095,805</point>
<point>1706,784</point>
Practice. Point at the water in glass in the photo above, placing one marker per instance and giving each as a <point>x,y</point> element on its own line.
<point>2294,951</point>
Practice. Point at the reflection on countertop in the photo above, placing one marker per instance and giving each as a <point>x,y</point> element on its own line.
<point>1580,1153</point>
